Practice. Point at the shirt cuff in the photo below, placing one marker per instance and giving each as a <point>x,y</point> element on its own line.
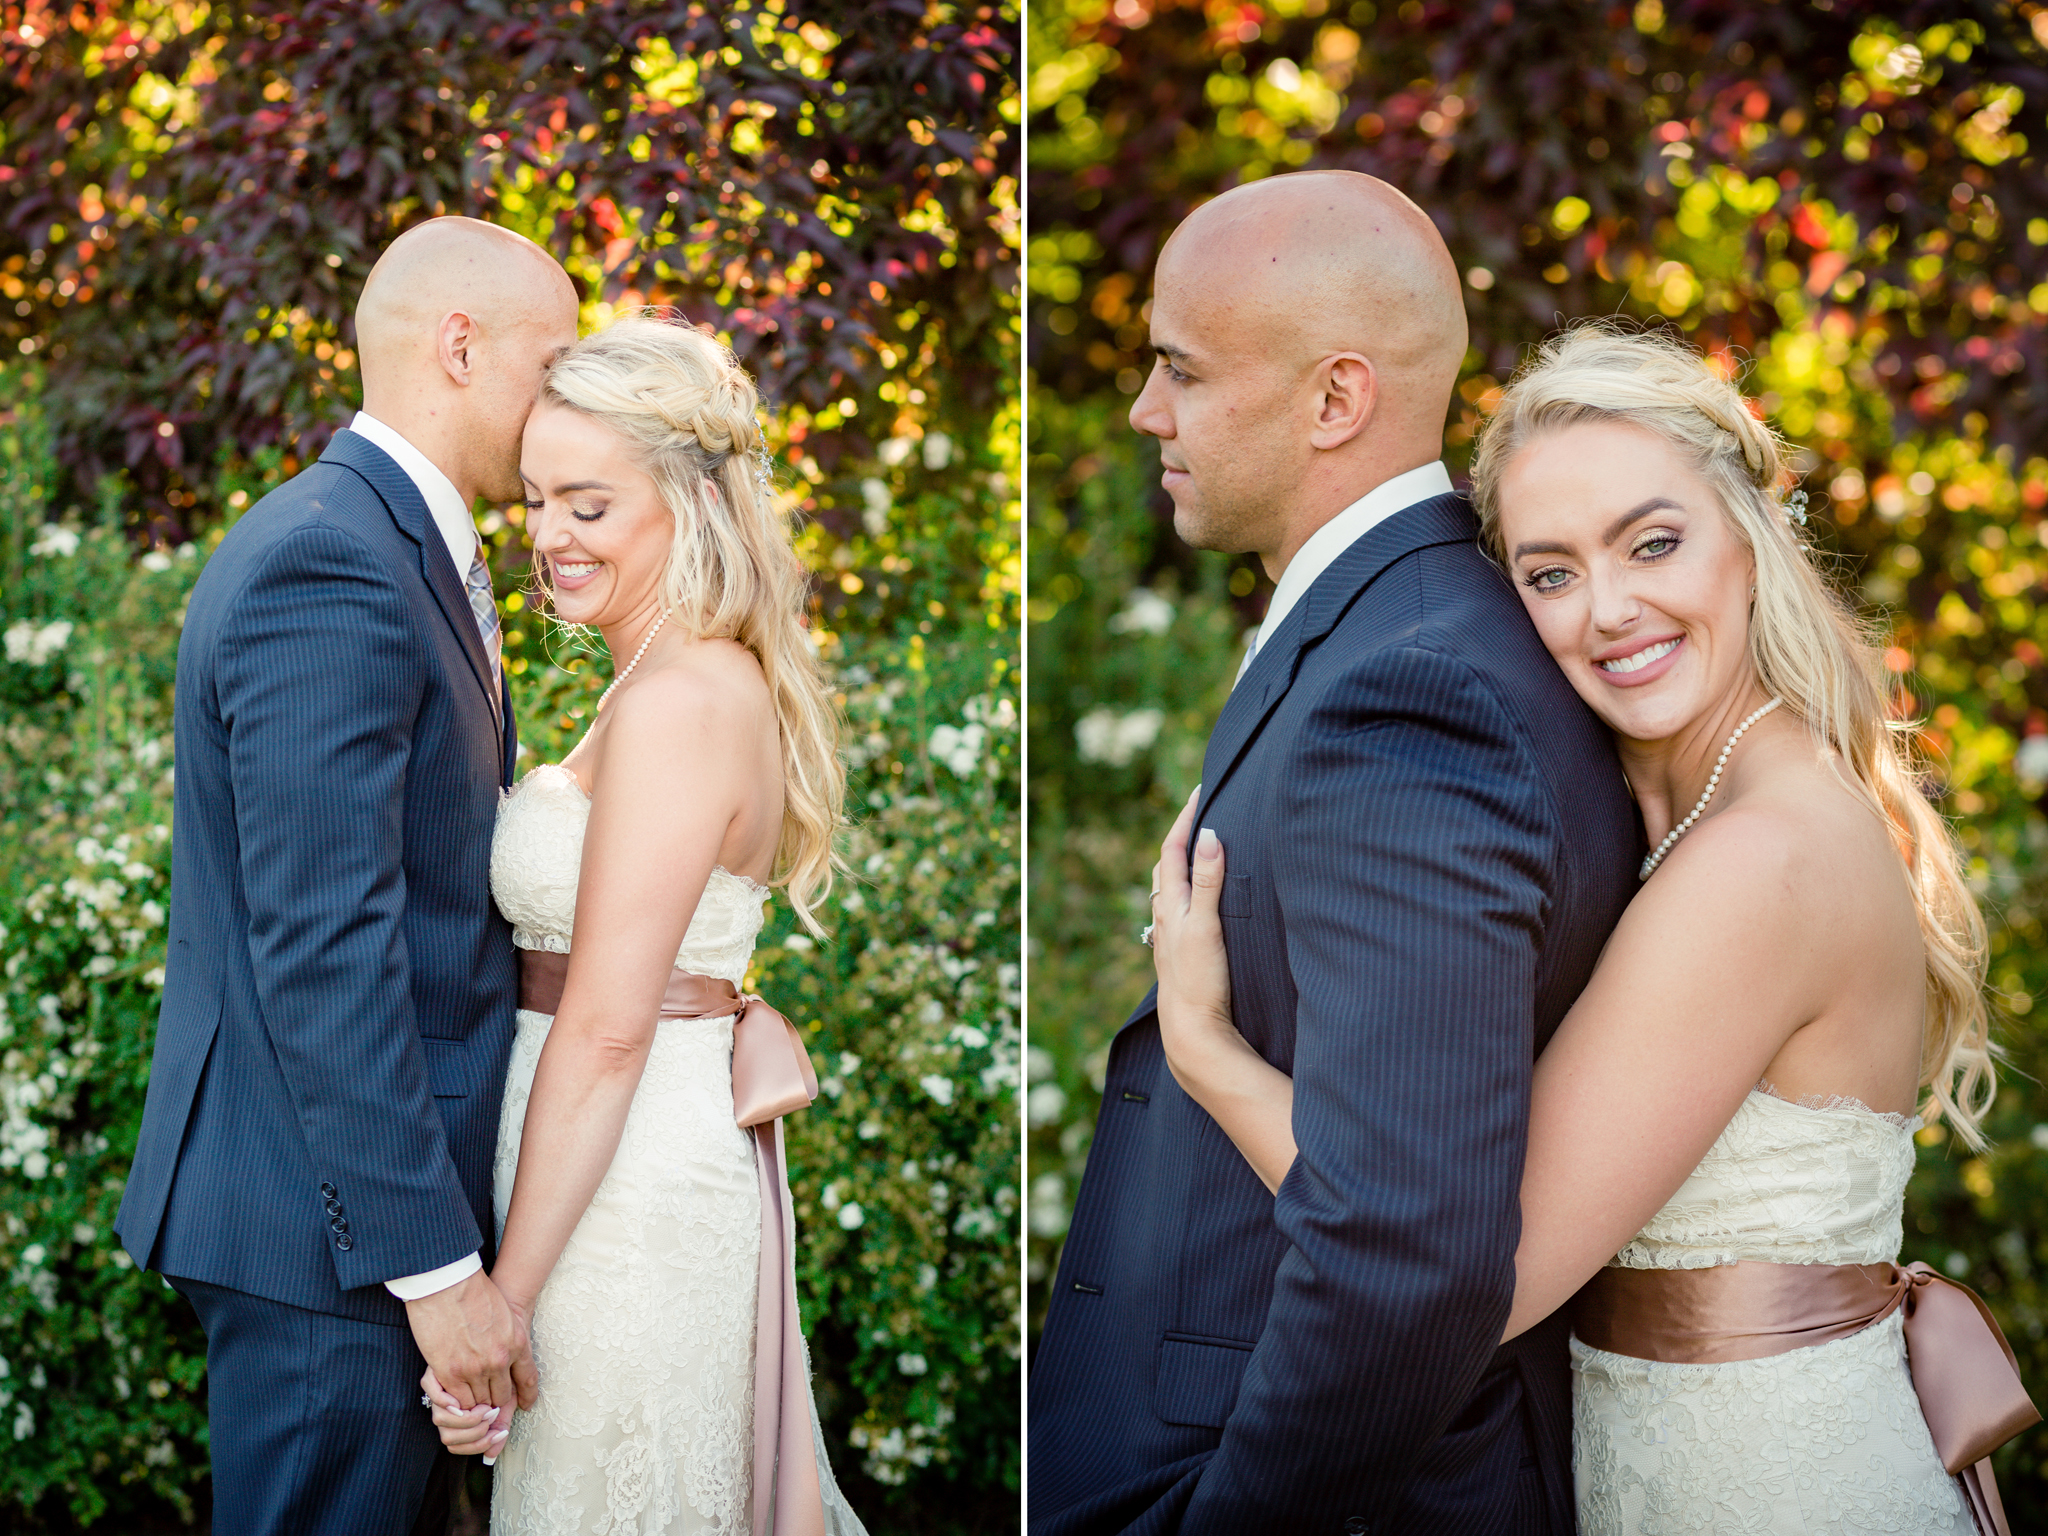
<point>419,1287</point>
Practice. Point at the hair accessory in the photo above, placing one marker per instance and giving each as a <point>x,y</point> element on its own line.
<point>1795,507</point>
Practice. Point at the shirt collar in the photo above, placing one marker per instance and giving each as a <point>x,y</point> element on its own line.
<point>1339,534</point>
<point>443,501</point>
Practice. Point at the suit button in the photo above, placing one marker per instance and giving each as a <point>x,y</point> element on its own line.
<point>344,1242</point>
<point>327,1189</point>
<point>334,1207</point>
<point>340,1223</point>
<point>1358,1525</point>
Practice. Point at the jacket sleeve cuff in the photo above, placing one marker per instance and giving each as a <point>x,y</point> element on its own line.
<point>419,1287</point>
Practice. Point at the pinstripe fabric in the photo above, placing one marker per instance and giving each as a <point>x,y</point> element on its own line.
<point>316,1394</point>
<point>339,994</point>
<point>1429,840</point>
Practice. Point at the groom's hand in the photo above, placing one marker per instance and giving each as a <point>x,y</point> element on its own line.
<point>475,1344</point>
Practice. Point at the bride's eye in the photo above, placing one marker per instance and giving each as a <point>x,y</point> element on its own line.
<point>590,516</point>
<point>1549,579</point>
<point>1657,546</point>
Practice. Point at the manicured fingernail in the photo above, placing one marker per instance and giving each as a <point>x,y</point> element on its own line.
<point>1206,845</point>
<point>490,1461</point>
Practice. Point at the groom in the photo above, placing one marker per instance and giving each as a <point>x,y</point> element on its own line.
<point>1429,840</point>
<point>314,1166</point>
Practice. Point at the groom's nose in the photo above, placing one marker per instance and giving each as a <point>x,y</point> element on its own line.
<point>1149,412</point>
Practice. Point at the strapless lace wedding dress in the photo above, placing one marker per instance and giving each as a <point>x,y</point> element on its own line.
<point>643,1336</point>
<point>1829,1438</point>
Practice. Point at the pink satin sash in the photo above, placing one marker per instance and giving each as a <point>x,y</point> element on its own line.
<point>771,1077</point>
<point>1964,1373</point>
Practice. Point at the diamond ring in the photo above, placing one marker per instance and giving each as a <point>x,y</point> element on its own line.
<point>1145,937</point>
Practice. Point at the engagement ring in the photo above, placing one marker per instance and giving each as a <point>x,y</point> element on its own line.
<point>1145,938</point>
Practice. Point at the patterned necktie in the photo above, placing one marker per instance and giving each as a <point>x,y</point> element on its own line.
<point>483,607</point>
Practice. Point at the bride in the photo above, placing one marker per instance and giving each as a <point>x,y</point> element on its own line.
<point>646,1235</point>
<point>1722,1129</point>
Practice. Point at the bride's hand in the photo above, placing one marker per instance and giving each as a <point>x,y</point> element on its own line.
<point>1214,1064</point>
<point>1187,950</point>
<point>478,1431</point>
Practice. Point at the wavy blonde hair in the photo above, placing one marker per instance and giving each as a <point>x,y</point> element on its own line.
<point>1806,642</point>
<point>690,417</point>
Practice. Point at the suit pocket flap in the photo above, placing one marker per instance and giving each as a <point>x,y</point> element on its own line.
<point>1197,1379</point>
<point>447,1077</point>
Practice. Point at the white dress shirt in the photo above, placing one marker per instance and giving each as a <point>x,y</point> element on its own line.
<point>456,526</point>
<point>1339,534</point>
<point>443,500</point>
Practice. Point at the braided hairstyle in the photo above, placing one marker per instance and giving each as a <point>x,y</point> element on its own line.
<point>689,415</point>
<point>1806,642</point>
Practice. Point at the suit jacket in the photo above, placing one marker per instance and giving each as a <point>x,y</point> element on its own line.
<point>1428,842</point>
<point>338,999</point>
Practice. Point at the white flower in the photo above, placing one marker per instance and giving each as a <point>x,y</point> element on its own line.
<point>55,540</point>
<point>34,644</point>
<point>155,560</point>
<point>938,450</point>
<point>1049,1205</point>
<point>1045,1104</point>
<point>875,517</point>
<point>1145,612</point>
<point>1104,736</point>
<point>799,941</point>
<point>2030,763</point>
<point>959,747</point>
<point>851,1215</point>
<point>24,1422</point>
<point>940,1088</point>
<point>911,1365</point>
<point>895,450</point>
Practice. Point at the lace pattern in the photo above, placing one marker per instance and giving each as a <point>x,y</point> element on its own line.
<point>1823,1439</point>
<point>1787,1183</point>
<point>537,855</point>
<point>1829,1438</point>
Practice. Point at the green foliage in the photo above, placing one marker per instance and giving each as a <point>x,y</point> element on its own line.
<point>1843,202</point>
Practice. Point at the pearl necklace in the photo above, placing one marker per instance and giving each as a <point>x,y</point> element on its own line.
<point>635,661</point>
<point>1713,783</point>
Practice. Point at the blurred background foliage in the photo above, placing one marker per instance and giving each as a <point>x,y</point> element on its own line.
<point>1841,201</point>
<point>190,197</point>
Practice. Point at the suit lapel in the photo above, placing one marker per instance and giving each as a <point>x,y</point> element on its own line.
<point>408,510</point>
<point>1440,520</point>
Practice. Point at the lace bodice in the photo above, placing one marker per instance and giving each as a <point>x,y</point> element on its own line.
<point>1787,1183</point>
<point>537,853</point>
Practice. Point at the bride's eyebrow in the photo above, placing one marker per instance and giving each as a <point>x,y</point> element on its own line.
<point>583,485</point>
<point>1614,529</point>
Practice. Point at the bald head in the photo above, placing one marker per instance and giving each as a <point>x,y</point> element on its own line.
<point>1328,261</point>
<point>453,327</point>
<point>1310,328</point>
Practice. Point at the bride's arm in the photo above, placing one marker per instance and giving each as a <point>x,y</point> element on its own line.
<point>1711,970</point>
<point>648,852</point>
<point>1252,1099</point>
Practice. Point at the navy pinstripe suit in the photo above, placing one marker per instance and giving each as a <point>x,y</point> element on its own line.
<point>338,1000</point>
<point>1429,840</point>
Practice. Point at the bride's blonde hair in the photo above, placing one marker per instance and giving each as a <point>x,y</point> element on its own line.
<point>689,415</point>
<point>1806,642</point>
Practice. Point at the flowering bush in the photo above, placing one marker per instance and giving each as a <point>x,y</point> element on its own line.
<point>905,1172</point>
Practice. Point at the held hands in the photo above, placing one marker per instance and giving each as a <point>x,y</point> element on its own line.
<point>1187,949</point>
<point>478,1356</point>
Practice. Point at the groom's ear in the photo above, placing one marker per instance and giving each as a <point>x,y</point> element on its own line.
<point>452,345</point>
<point>1348,388</point>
